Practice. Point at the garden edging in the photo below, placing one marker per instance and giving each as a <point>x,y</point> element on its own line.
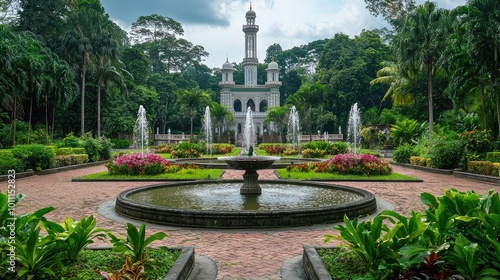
<point>313,266</point>
<point>182,267</point>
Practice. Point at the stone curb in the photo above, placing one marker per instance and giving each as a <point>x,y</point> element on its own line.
<point>313,266</point>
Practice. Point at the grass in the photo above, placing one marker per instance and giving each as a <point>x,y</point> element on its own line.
<point>90,263</point>
<point>185,174</point>
<point>284,174</point>
<point>342,264</point>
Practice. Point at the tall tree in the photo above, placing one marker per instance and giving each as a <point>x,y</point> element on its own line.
<point>391,75</point>
<point>279,117</point>
<point>420,43</point>
<point>191,102</point>
<point>221,117</point>
<point>81,39</point>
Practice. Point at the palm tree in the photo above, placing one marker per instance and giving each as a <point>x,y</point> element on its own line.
<point>80,41</point>
<point>391,75</point>
<point>420,43</point>
<point>221,117</point>
<point>306,99</point>
<point>190,102</point>
<point>278,116</point>
<point>109,69</point>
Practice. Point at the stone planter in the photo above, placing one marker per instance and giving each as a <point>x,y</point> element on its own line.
<point>313,266</point>
<point>182,267</point>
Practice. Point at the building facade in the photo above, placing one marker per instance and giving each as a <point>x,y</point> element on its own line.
<point>258,97</point>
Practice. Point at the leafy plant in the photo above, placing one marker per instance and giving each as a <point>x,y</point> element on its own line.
<point>403,153</point>
<point>38,255</point>
<point>130,270</point>
<point>34,156</point>
<point>136,241</point>
<point>405,131</point>
<point>79,234</point>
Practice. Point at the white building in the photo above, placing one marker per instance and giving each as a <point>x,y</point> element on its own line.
<point>258,97</point>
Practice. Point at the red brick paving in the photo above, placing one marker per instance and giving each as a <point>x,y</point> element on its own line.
<point>239,254</point>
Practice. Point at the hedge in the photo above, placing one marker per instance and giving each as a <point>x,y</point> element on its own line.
<point>66,160</point>
<point>483,168</point>
<point>70,151</point>
<point>9,162</point>
<point>34,156</point>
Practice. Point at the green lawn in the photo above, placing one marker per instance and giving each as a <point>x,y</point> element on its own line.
<point>284,174</point>
<point>185,174</point>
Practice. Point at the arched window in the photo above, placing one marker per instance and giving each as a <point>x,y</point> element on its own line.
<point>237,105</point>
<point>239,128</point>
<point>263,106</point>
<point>251,104</point>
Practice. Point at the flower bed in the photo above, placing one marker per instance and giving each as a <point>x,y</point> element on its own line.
<point>347,164</point>
<point>138,164</point>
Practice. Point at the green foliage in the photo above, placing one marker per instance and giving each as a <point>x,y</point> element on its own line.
<point>34,156</point>
<point>98,148</point>
<point>459,227</point>
<point>316,153</point>
<point>9,162</point>
<point>403,153</point>
<point>69,151</point>
<point>493,156</point>
<point>477,142</point>
<point>136,241</point>
<point>342,264</point>
<point>405,131</point>
<point>79,234</point>
<point>71,141</point>
<point>66,160</point>
<point>120,143</point>
<point>445,152</point>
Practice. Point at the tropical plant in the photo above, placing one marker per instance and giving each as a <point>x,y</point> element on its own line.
<point>79,234</point>
<point>136,241</point>
<point>420,42</point>
<point>190,102</point>
<point>405,131</point>
<point>221,117</point>
<point>391,75</point>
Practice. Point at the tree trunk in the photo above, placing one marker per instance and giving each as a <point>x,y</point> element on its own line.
<point>84,72</point>
<point>99,109</point>
<point>483,107</point>
<point>53,122</point>
<point>498,116</point>
<point>46,120</point>
<point>429,93</point>
<point>14,122</point>
<point>29,121</point>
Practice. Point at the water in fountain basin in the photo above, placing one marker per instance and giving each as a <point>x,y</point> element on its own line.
<point>249,136</point>
<point>293,135</point>
<point>354,128</point>
<point>141,131</point>
<point>207,130</point>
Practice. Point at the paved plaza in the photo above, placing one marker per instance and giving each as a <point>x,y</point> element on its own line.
<point>239,254</point>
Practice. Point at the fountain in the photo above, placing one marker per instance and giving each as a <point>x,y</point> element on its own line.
<point>257,204</point>
<point>354,127</point>
<point>207,130</point>
<point>141,131</point>
<point>293,135</point>
<point>249,136</point>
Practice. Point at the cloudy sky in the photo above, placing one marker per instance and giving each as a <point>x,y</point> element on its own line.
<point>217,24</point>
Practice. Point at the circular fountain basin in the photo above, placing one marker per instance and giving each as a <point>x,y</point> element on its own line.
<point>220,205</point>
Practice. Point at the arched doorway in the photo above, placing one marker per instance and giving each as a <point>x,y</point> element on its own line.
<point>251,104</point>
<point>263,106</point>
<point>237,105</point>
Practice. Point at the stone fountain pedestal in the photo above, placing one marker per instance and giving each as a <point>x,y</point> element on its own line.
<point>250,164</point>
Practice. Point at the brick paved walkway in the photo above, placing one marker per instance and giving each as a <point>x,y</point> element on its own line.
<point>239,254</point>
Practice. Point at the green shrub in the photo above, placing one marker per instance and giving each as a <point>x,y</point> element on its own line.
<point>403,153</point>
<point>66,160</point>
<point>493,156</point>
<point>9,162</point>
<point>445,153</point>
<point>34,156</point>
<point>336,148</point>
<point>120,143</point>
<point>69,151</point>
<point>477,142</point>
<point>98,148</point>
<point>316,153</point>
<point>71,141</point>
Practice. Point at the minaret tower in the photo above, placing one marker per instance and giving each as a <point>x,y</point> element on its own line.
<point>250,61</point>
